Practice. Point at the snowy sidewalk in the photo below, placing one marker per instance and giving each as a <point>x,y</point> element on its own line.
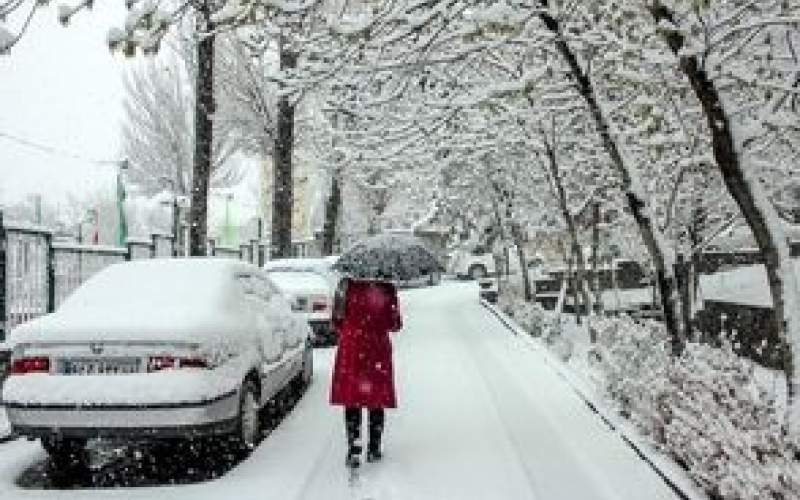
<point>481,416</point>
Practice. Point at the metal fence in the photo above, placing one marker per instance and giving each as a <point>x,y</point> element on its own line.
<point>37,272</point>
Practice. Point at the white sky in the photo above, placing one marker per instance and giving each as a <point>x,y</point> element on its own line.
<point>62,87</point>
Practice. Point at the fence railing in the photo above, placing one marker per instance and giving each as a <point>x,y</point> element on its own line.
<point>37,272</point>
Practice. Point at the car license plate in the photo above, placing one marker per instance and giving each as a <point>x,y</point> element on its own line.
<point>107,366</point>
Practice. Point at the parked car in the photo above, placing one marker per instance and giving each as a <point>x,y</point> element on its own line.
<point>475,264</point>
<point>428,279</point>
<point>487,289</point>
<point>320,265</point>
<point>311,297</point>
<point>163,348</point>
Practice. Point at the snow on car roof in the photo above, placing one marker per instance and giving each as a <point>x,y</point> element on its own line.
<point>155,299</point>
<point>158,282</point>
<point>176,299</point>
<point>299,264</point>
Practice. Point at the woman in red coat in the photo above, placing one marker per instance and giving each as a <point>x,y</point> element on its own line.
<point>365,312</point>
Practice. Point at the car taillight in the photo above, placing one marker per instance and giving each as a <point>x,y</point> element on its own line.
<point>319,306</point>
<point>23,366</point>
<point>158,363</point>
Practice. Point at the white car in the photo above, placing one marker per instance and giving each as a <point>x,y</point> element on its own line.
<point>163,348</point>
<point>320,265</point>
<point>311,296</point>
<point>474,265</point>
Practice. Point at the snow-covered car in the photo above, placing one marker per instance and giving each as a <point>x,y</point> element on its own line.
<point>311,297</point>
<point>163,348</point>
<point>320,265</point>
<point>474,265</point>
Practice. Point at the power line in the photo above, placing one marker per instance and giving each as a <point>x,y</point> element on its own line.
<point>55,151</point>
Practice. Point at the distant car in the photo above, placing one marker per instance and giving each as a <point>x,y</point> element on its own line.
<point>163,348</point>
<point>487,289</point>
<point>474,265</point>
<point>311,296</point>
<point>429,279</point>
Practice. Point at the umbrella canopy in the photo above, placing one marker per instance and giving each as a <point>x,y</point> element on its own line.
<point>388,257</point>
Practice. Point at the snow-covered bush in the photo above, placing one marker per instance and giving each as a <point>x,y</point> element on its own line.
<point>726,429</point>
<point>706,409</point>
<point>531,316</point>
<point>634,358</point>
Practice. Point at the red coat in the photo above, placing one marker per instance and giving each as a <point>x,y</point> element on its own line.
<point>362,372</point>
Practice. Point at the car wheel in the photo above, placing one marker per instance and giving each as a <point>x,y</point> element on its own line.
<point>477,272</point>
<point>67,455</point>
<point>245,436</point>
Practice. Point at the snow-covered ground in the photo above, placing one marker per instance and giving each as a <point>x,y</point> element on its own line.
<point>482,415</point>
<point>745,285</point>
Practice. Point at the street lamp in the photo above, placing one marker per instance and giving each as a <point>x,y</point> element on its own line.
<point>228,229</point>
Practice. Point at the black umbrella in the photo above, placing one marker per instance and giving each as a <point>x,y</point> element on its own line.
<point>388,257</point>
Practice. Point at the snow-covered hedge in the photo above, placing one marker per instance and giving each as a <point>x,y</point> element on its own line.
<point>706,409</point>
<point>537,321</point>
<point>532,317</point>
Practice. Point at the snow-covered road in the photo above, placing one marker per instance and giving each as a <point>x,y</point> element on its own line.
<point>481,416</point>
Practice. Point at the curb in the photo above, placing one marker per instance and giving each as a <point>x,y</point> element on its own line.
<point>517,331</point>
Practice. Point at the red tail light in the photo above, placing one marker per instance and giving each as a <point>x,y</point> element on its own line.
<point>158,363</point>
<point>319,306</point>
<point>24,366</point>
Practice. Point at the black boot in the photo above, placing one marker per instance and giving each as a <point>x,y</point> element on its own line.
<point>353,459</point>
<point>352,422</point>
<point>376,424</point>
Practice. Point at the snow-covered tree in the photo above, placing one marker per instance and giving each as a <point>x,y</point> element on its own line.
<point>157,135</point>
<point>740,60</point>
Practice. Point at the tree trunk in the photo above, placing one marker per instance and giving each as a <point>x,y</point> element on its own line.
<point>595,256</point>
<point>684,285</point>
<point>203,135</point>
<point>746,190</point>
<point>659,251</point>
<point>282,192</point>
<point>516,231</point>
<point>575,247</point>
<point>331,216</point>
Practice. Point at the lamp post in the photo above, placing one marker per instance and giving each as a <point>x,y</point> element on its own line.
<point>122,226</point>
<point>228,231</point>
